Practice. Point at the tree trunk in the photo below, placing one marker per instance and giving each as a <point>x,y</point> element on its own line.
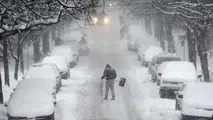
<point>36,48</point>
<point>21,60</point>
<point>192,52</point>
<point>18,56</point>
<point>202,52</point>
<point>5,60</point>
<point>53,33</point>
<point>45,42</point>
<point>1,90</point>
<point>159,30</point>
<point>169,37</point>
<point>148,26</point>
<point>16,69</point>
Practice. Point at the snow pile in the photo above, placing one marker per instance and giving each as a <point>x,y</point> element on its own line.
<point>151,52</point>
<point>179,70</point>
<point>159,109</point>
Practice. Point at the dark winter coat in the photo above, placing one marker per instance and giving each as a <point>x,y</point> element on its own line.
<point>109,73</point>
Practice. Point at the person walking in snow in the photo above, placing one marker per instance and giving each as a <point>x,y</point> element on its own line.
<point>110,75</point>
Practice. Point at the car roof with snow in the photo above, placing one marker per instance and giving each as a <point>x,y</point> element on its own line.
<point>179,70</point>
<point>30,103</point>
<point>163,57</point>
<point>199,91</point>
<point>166,55</point>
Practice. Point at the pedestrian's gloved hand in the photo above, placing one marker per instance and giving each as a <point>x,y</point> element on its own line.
<point>102,77</point>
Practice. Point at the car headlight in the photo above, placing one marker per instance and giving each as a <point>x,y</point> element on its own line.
<point>95,20</point>
<point>106,20</point>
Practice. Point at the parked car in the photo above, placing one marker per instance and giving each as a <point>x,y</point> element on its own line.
<point>174,74</point>
<point>26,104</point>
<point>147,56</point>
<point>44,71</point>
<point>65,51</point>
<point>61,63</point>
<point>195,101</point>
<point>159,59</point>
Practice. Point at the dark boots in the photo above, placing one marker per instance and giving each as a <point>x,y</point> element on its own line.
<point>106,98</point>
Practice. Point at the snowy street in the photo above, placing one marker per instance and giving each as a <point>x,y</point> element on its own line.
<point>138,100</point>
<point>106,60</point>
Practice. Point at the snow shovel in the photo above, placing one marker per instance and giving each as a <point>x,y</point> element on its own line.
<point>122,82</point>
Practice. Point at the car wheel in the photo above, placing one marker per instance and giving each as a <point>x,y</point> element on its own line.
<point>162,93</point>
<point>186,117</point>
<point>176,105</point>
<point>158,82</point>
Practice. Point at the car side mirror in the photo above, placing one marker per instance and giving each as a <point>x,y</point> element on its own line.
<point>159,74</point>
<point>180,96</point>
<point>199,76</point>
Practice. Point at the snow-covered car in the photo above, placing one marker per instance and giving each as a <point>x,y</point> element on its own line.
<point>174,74</point>
<point>61,63</point>
<point>195,101</point>
<point>65,51</point>
<point>159,59</point>
<point>44,71</point>
<point>147,56</point>
<point>26,104</point>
